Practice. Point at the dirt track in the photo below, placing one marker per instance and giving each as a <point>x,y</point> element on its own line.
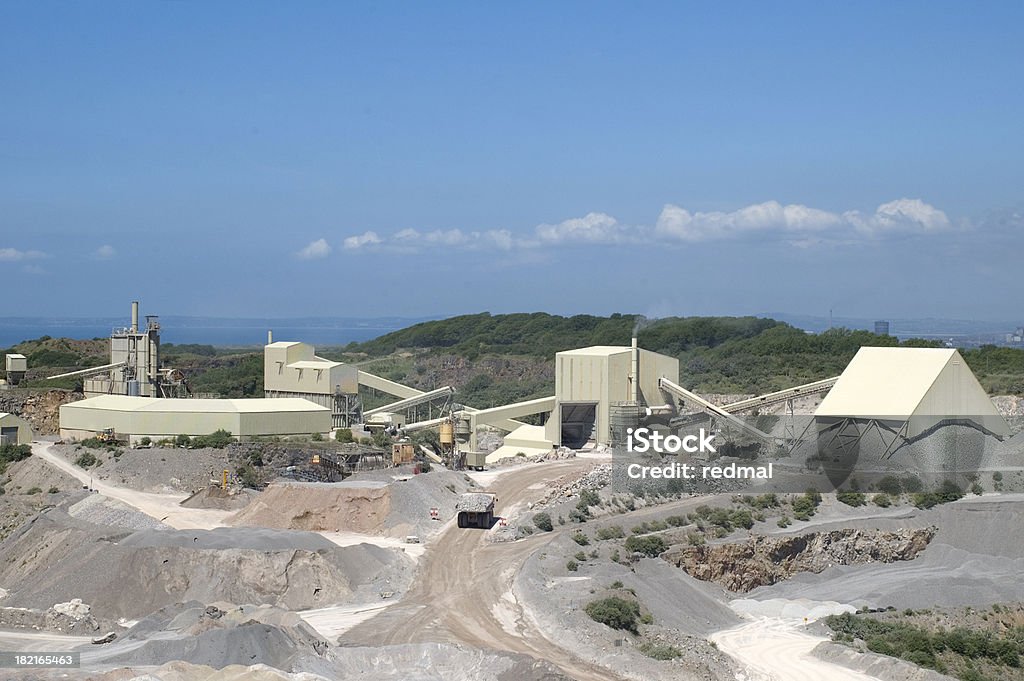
<point>463,592</point>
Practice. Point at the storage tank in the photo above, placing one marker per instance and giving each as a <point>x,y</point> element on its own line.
<point>447,434</point>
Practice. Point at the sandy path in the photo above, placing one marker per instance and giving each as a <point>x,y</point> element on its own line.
<point>776,650</point>
<point>164,507</point>
<point>463,592</point>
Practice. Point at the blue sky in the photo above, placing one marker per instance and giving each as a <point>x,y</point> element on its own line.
<point>348,159</point>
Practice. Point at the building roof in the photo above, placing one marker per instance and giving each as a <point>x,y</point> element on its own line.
<point>161,404</point>
<point>598,350</point>
<point>893,382</point>
<point>282,344</point>
<point>15,355</point>
<point>314,364</point>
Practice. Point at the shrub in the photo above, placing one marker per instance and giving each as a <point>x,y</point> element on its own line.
<point>53,490</point>
<point>11,453</point>
<point>317,437</point>
<point>589,497</point>
<point>146,441</point>
<point>182,441</point>
<point>577,516</point>
<point>649,545</point>
<point>86,460</point>
<point>890,485</point>
<point>572,566</point>
<point>580,556</point>
<point>676,520</point>
<point>580,538</point>
<point>218,439</point>
<point>852,498</point>
<point>34,490</point>
<point>660,651</point>
<point>610,532</point>
<point>542,521</point>
<point>805,505</point>
<point>617,584</point>
<point>344,435</point>
<point>615,612</point>
<point>881,500</point>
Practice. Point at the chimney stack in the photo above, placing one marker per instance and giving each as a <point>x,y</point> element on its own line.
<point>270,336</point>
<point>135,316</point>
<point>635,387</point>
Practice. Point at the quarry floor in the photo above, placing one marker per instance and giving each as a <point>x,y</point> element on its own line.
<point>469,591</point>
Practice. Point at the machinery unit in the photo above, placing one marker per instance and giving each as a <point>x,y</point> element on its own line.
<point>292,369</point>
<point>17,365</point>
<point>134,369</point>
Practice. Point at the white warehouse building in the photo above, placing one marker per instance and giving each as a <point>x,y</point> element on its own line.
<point>159,418</point>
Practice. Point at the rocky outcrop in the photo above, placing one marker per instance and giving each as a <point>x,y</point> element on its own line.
<point>763,560</point>
<point>40,409</point>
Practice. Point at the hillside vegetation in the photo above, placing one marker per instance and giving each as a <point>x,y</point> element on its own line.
<point>494,359</point>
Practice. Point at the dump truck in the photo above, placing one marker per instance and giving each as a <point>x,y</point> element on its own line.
<point>475,509</point>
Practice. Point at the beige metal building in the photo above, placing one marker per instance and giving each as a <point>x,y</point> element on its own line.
<point>157,418</point>
<point>907,392</point>
<point>292,370</point>
<point>16,365</point>
<point>589,381</point>
<point>14,430</point>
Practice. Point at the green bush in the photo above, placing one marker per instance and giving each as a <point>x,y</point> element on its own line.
<point>218,439</point>
<point>572,566</point>
<point>34,490</point>
<point>804,506</point>
<point>344,435</point>
<point>881,500</point>
<point>11,453</point>
<point>890,485</point>
<point>650,545</point>
<point>852,498</point>
<point>610,532</point>
<point>589,497</point>
<point>660,651</point>
<point>542,521</point>
<point>615,612</point>
<point>580,538</point>
<point>86,460</point>
<point>183,441</point>
<point>53,490</point>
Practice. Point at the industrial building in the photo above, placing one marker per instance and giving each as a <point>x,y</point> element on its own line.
<point>16,366</point>
<point>593,384</point>
<point>134,367</point>
<point>902,394</point>
<point>133,418</point>
<point>14,430</point>
<point>293,370</point>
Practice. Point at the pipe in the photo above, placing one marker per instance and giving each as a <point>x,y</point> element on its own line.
<point>635,387</point>
<point>270,336</point>
<point>135,316</point>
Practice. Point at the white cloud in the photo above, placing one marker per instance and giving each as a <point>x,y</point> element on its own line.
<point>799,225</point>
<point>800,222</point>
<point>105,252</point>
<point>594,228</point>
<point>412,240</point>
<point>315,250</point>
<point>14,255</point>
<point>353,243</point>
